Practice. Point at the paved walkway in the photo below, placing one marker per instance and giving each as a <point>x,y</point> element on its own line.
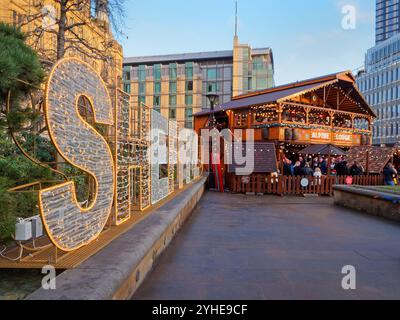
<point>245,247</point>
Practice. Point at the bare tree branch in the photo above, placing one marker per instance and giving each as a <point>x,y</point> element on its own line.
<point>64,27</point>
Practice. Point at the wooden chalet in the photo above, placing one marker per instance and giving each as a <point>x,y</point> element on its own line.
<point>311,114</point>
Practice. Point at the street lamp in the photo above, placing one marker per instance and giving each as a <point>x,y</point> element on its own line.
<point>213,98</point>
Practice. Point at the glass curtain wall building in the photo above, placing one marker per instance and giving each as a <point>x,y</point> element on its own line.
<point>177,85</point>
<point>387,19</point>
<point>379,81</point>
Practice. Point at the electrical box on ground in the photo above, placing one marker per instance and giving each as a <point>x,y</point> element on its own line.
<point>23,230</point>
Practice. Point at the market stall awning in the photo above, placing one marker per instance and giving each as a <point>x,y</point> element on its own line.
<point>378,157</point>
<point>323,150</point>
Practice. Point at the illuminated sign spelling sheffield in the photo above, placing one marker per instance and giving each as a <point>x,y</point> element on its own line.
<point>117,172</point>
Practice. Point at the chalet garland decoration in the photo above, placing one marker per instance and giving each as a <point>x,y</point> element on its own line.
<point>300,126</point>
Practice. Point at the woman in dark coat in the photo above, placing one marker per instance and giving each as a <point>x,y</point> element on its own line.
<point>356,169</point>
<point>390,173</point>
<point>307,171</point>
<point>297,169</point>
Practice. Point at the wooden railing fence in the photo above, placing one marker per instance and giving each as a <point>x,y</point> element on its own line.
<point>288,185</point>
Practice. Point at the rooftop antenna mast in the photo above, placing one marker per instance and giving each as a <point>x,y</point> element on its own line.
<point>236,19</point>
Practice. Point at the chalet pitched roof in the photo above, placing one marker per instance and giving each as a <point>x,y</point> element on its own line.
<point>379,157</point>
<point>264,157</point>
<point>344,80</point>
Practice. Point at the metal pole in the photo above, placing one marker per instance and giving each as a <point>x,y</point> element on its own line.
<point>211,120</point>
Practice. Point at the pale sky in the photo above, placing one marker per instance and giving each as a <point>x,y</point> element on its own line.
<point>306,36</point>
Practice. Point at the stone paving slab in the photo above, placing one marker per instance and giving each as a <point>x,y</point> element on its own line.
<point>246,247</point>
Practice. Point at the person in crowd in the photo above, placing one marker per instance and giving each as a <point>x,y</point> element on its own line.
<point>315,163</point>
<point>302,161</point>
<point>333,163</point>
<point>323,166</point>
<point>287,167</point>
<point>274,177</point>
<point>390,174</point>
<point>307,171</point>
<point>317,176</point>
<point>317,173</point>
<point>297,169</point>
<point>356,169</point>
<point>341,167</point>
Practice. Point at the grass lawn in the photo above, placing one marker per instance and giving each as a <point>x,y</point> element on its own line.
<point>395,189</point>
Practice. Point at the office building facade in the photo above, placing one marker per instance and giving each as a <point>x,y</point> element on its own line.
<point>177,85</point>
<point>379,81</point>
<point>387,19</point>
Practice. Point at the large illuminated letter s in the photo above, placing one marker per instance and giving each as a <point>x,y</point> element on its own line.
<point>68,224</point>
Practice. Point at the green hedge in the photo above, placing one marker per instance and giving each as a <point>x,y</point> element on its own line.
<point>20,73</point>
<point>16,170</point>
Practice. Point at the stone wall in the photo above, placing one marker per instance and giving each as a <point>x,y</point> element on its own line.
<point>369,201</point>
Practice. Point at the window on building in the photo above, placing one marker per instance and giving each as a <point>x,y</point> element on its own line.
<point>188,124</point>
<point>157,101</point>
<point>157,72</point>
<point>172,101</point>
<point>172,71</point>
<point>258,64</point>
<point>249,83</point>
<point>157,87</point>
<point>142,88</point>
<point>172,113</point>
<point>189,70</point>
<point>189,118</point>
<point>246,53</point>
<point>127,75</point>
<point>212,87</point>
<point>212,73</point>
<point>17,18</point>
<point>172,87</point>
<point>189,100</point>
<point>189,85</point>
<point>142,100</point>
<point>261,83</point>
<point>127,87</point>
<point>142,73</point>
